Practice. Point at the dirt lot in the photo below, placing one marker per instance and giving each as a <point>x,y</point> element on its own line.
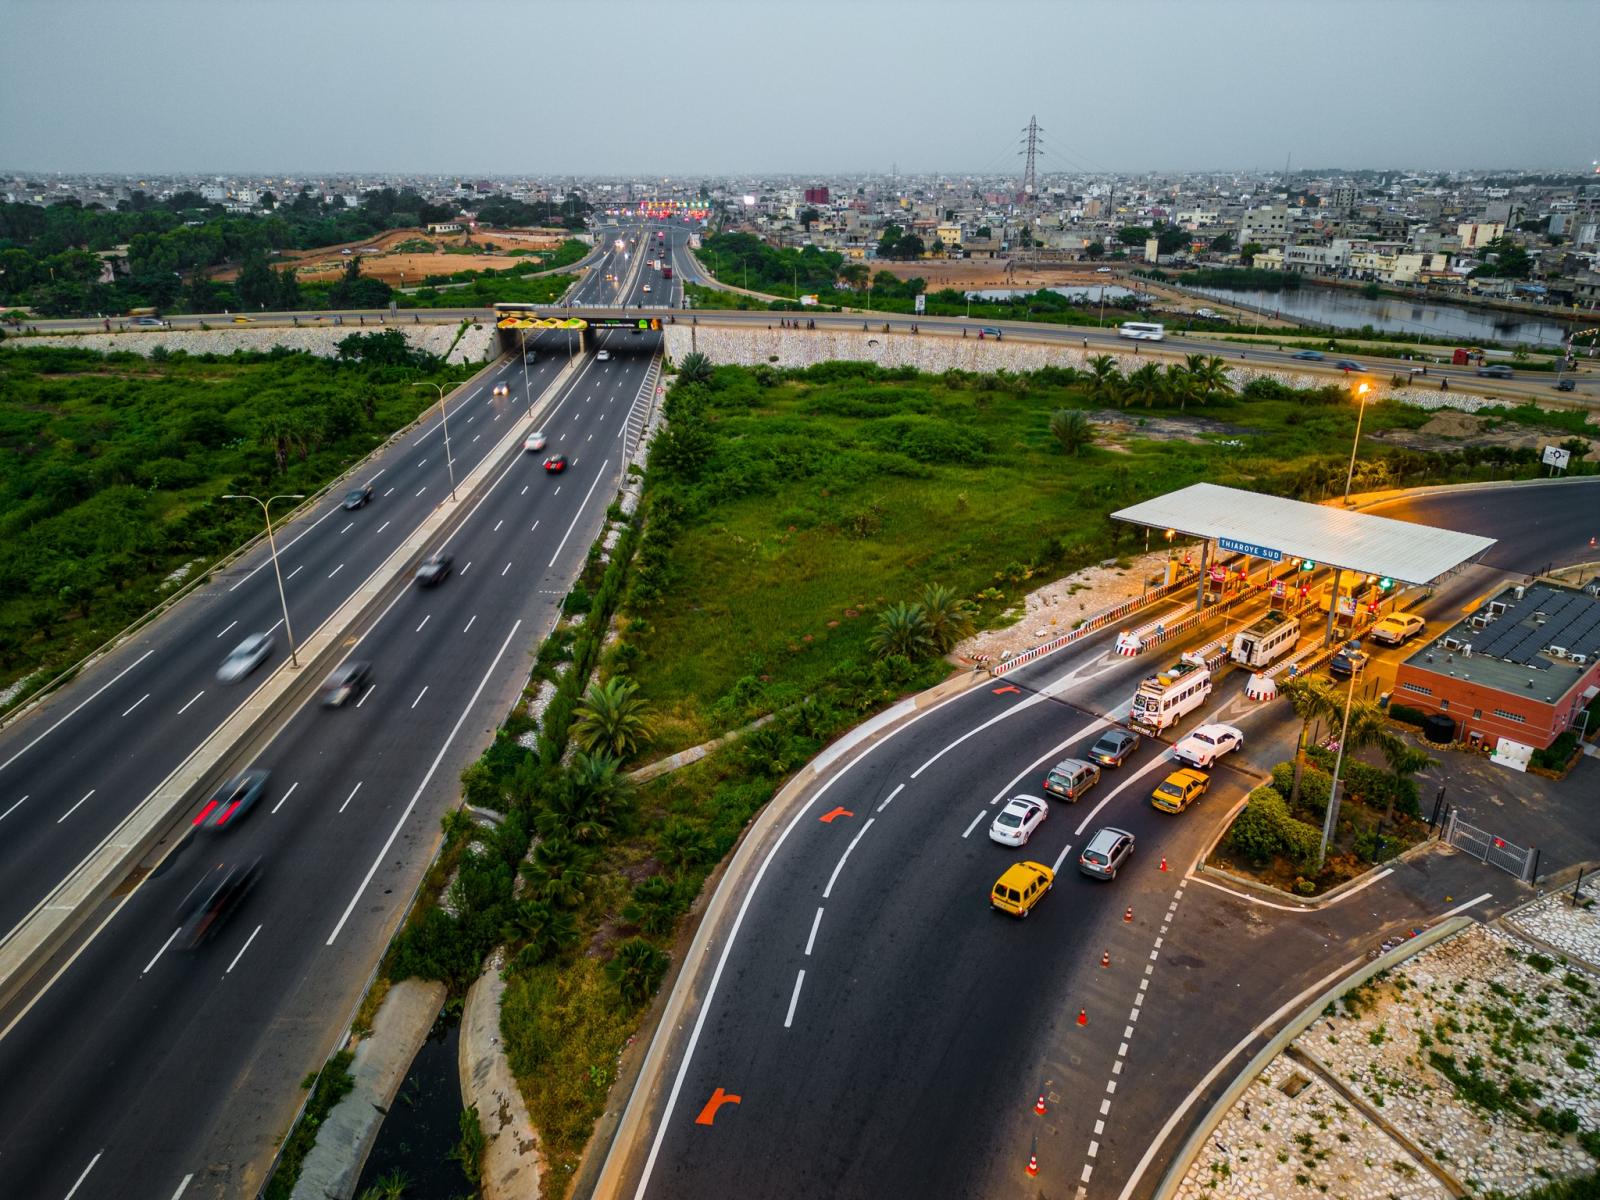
<point>326,263</point>
<point>1450,430</point>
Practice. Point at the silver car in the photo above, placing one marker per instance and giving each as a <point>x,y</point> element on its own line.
<point>245,657</point>
<point>1107,850</point>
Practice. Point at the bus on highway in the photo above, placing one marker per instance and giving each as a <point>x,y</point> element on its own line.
<point>1142,331</point>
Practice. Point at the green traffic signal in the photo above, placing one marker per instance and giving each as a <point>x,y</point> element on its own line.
<point>1307,565</point>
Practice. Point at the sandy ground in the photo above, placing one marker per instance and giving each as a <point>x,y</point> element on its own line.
<point>326,263</point>
<point>1456,429</point>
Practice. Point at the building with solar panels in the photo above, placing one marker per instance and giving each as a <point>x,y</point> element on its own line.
<point>1519,668</point>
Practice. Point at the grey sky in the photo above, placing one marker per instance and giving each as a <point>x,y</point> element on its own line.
<point>814,86</point>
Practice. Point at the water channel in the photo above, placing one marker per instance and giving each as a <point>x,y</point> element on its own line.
<point>1089,294</point>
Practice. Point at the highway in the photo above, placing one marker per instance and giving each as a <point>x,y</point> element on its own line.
<point>885,1033</point>
<point>148,1070</point>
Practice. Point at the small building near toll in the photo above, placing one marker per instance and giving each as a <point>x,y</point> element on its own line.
<point>1522,667</point>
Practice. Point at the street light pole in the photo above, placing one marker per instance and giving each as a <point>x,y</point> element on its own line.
<point>449,463</point>
<point>1361,398</point>
<point>1332,815</point>
<point>272,545</point>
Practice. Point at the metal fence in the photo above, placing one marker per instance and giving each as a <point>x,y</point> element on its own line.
<point>1487,848</point>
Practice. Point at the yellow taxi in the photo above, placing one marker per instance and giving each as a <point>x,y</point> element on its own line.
<point>1178,790</point>
<point>244,321</point>
<point>1021,887</point>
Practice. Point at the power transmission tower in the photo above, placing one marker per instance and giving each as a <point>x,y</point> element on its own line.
<point>1030,179</point>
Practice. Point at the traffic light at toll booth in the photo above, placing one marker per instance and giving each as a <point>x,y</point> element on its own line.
<point>1307,565</point>
<point>1386,585</point>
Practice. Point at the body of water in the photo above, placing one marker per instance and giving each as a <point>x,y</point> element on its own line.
<point>423,1124</point>
<point>1344,309</point>
<point>1086,295</point>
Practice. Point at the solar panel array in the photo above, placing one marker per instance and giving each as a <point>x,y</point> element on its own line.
<point>1571,621</point>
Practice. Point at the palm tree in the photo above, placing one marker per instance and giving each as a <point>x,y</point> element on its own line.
<point>902,629</point>
<point>612,718</point>
<point>1177,385</point>
<point>1143,385</point>
<point>1210,375</point>
<point>636,970</point>
<point>1312,698</point>
<point>1403,761</point>
<point>558,872</point>
<point>695,368</point>
<point>589,802</point>
<point>1072,429</point>
<point>1105,381</point>
<point>948,616</point>
<point>540,928</point>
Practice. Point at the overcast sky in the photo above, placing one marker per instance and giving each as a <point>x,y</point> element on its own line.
<point>692,87</point>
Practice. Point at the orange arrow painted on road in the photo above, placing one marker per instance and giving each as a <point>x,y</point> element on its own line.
<point>827,818</point>
<point>708,1114</point>
<point>1003,688</point>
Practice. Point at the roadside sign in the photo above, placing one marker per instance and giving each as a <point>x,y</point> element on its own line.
<point>1251,549</point>
<point>920,304</point>
<point>1555,456</point>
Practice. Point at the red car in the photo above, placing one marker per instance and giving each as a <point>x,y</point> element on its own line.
<point>556,464</point>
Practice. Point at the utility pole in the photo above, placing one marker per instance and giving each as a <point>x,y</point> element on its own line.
<point>1030,143</point>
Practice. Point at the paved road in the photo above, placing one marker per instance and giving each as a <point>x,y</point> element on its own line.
<point>887,1034</point>
<point>144,1065</point>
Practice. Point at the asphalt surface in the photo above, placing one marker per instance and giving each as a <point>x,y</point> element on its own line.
<point>149,1070</point>
<point>886,1033</point>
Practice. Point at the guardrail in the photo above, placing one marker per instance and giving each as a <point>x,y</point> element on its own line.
<point>1094,624</point>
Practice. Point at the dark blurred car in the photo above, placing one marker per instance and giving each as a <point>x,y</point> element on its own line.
<point>344,683</point>
<point>556,464</point>
<point>232,800</point>
<point>245,657</point>
<point>1495,371</point>
<point>1350,659</point>
<point>1566,384</point>
<point>1349,364</point>
<point>209,903</point>
<point>1114,747</point>
<point>1309,355</point>
<point>358,497</point>
<point>433,569</point>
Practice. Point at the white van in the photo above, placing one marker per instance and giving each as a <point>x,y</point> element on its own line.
<point>1273,636</point>
<point>1164,698</point>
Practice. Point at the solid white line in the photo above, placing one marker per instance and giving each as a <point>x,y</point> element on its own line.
<point>352,794</point>
<point>242,949</point>
<point>832,879</point>
<point>426,779</point>
<point>287,546</point>
<point>598,476</point>
<point>425,620</point>
<point>294,572</point>
<point>138,702</point>
<point>74,808</point>
<point>74,711</point>
<point>335,571</point>
<point>348,527</point>
<point>981,815</point>
<point>275,625</point>
<point>162,951</point>
<point>1049,754</point>
<point>1461,908</point>
<point>286,795</point>
<point>794,999</point>
<point>370,689</point>
<point>182,1187</point>
<point>1036,698</point>
<point>504,569</point>
<point>1153,764</point>
<point>85,1174</point>
<point>420,695</point>
<point>230,625</point>
<point>891,796</point>
<point>1055,868</point>
<point>13,808</point>
<point>811,941</point>
<point>474,617</point>
<point>62,970</point>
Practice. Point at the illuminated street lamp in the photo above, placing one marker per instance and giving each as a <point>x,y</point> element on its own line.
<point>1361,399</point>
<point>272,545</point>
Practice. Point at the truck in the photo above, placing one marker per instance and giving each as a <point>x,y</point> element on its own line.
<point>666,272</point>
<point>1166,696</point>
<point>1273,636</point>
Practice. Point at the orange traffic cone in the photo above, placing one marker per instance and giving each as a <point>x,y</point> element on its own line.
<point>1033,1165</point>
<point>1163,862</point>
<point>1105,959</point>
<point>1083,1016</point>
<point>1128,916</point>
<point>1038,1105</point>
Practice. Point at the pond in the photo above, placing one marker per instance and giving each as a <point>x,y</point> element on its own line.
<point>1089,294</point>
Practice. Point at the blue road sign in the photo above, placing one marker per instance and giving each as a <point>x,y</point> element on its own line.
<point>1266,552</point>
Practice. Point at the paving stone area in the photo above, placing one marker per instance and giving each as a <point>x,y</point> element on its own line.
<point>1553,921</point>
<point>1430,1078</point>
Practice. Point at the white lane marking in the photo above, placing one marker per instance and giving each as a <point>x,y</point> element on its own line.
<point>897,790</point>
<point>170,937</point>
<point>535,528</point>
<point>423,463</point>
<point>294,572</point>
<point>474,617</point>
<point>426,779</point>
<point>1260,903</point>
<point>975,820</point>
<point>420,695</point>
<point>1037,698</point>
<point>1157,763</point>
<point>497,525</point>
<point>354,790</point>
<point>1122,1050</point>
<point>598,476</point>
<point>182,1187</point>
<point>348,527</point>
<point>1461,908</point>
<point>811,941</point>
<point>420,490</point>
<point>476,436</point>
<point>242,949</point>
<point>74,808</point>
<point>557,492</point>
<point>335,571</point>
<point>794,999</point>
<point>390,492</point>
<point>85,1174</point>
<point>137,702</point>
<point>227,627</point>
<point>286,795</point>
<point>834,878</point>
<point>425,620</point>
<point>275,625</point>
<point>1055,868</point>
<point>1082,732</point>
<point>1105,1107</point>
<point>524,491</point>
<point>14,807</point>
<point>64,967</point>
<point>384,526</point>
<point>370,689</point>
<point>466,568</point>
<point>590,438</point>
<point>287,546</point>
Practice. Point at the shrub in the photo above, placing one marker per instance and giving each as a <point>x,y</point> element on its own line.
<point>1264,829</point>
<point>636,970</point>
<point>1558,754</point>
<point>1315,785</point>
<point>1407,715</point>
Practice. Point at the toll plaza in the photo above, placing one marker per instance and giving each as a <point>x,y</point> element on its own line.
<point>1295,540</point>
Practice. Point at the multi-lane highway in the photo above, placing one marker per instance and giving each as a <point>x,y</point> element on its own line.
<point>884,1033</point>
<point>144,1069</point>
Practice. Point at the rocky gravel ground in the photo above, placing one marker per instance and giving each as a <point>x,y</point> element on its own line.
<point>476,345</point>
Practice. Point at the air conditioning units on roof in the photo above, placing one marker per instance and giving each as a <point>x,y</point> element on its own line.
<point>1558,652</point>
<point>1581,660</point>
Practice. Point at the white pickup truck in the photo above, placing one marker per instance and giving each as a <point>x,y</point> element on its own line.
<point>1207,744</point>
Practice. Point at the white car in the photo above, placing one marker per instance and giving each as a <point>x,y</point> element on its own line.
<point>1102,270</point>
<point>604,356</point>
<point>1397,628</point>
<point>1207,744</point>
<point>245,657</point>
<point>647,287</point>
<point>501,389</point>
<point>1015,823</point>
<point>536,441</point>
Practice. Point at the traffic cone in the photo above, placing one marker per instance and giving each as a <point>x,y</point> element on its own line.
<point>1163,862</point>
<point>1105,959</point>
<point>1038,1105</point>
<point>1033,1165</point>
<point>1083,1016</point>
<point>1128,916</point>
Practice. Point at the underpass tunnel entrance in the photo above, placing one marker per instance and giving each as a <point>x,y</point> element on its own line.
<point>519,325</point>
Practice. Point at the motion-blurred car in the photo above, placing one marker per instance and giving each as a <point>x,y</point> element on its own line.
<point>245,657</point>
<point>1495,371</point>
<point>500,389</point>
<point>555,464</point>
<point>1207,744</point>
<point>345,682</point>
<point>1349,364</point>
<point>150,322</point>
<point>358,497</point>
<point>1397,628</point>
<point>232,800</point>
<point>1566,384</point>
<point>1102,270</point>
<point>1114,746</point>
<point>1107,850</point>
<point>208,904</point>
<point>432,570</point>
<point>244,321</point>
<point>647,287</point>
<point>1308,355</point>
<point>1021,887</point>
<point>604,356</point>
<point>1349,660</point>
<point>1014,824</point>
<point>536,441</point>
<point>1180,789</point>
